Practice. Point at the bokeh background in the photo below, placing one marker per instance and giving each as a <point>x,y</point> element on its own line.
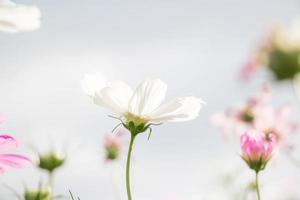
<point>196,46</point>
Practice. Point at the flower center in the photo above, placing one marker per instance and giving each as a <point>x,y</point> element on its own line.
<point>137,120</point>
<point>270,133</point>
<point>136,124</point>
<point>247,116</point>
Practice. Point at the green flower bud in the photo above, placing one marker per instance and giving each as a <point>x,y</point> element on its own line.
<point>284,64</point>
<point>51,161</point>
<point>112,153</point>
<point>247,117</point>
<point>42,194</point>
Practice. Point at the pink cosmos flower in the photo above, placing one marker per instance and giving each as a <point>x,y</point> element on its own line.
<point>113,144</point>
<point>277,122</point>
<point>256,150</point>
<point>260,57</point>
<point>249,68</point>
<point>240,118</point>
<point>10,160</point>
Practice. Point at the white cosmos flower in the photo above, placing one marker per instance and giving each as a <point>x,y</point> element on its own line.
<point>143,105</point>
<point>16,18</point>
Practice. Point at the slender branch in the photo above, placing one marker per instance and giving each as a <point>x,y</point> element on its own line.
<point>128,167</point>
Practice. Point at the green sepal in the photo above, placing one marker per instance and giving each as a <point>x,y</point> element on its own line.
<point>136,129</point>
<point>256,165</point>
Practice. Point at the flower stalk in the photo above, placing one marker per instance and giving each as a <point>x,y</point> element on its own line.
<point>257,185</point>
<point>128,164</point>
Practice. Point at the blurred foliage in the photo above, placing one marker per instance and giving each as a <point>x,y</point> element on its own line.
<point>284,64</point>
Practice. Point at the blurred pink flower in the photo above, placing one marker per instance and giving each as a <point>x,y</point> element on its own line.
<point>260,57</point>
<point>249,68</point>
<point>229,122</point>
<point>240,118</point>
<point>113,144</point>
<point>256,150</point>
<point>10,160</point>
<point>112,141</point>
<point>262,97</point>
<point>277,122</point>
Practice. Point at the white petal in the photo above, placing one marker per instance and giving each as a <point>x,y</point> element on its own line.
<point>180,109</point>
<point>147,97</point>
<point>114,97</point>
<point>16,18</point>
<point>91,84</point>
<point>6,3</point>
<point>293,33</point>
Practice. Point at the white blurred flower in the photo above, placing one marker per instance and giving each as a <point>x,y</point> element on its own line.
<point>288,38</point>
<point>142,106</point>
<point>17,18</point>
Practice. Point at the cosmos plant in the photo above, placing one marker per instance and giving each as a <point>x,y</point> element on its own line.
<point>140,109</point>
<point>262,128</point>
<point>278,52</point>
<point>256,152</point>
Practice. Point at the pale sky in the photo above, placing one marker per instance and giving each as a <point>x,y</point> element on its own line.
<point>195,46</point>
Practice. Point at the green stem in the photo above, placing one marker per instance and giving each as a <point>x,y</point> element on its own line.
<point>51,183</point>
<point>257,186</point>
<point>128,167</point>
